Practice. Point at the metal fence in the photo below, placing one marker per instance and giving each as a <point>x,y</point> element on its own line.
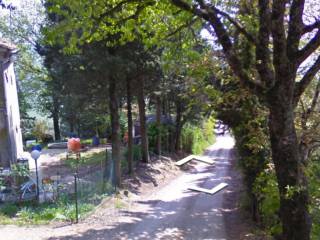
<point>83,189</point>
<point>76,188</point>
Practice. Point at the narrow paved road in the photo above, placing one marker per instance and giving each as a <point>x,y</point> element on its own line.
<point>175,212</point>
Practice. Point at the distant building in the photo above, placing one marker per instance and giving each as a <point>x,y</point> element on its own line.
<point>11,146</point>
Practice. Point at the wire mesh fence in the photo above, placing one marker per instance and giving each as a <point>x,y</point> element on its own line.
<point>68,188</point>
<point>83,188</point>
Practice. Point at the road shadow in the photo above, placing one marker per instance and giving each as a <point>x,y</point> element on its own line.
<point>233,213</point>
<point>142,223</point>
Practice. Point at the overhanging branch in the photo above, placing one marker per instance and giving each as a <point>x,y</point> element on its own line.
<point>305,81</point>
<point>311,27</point>
<point>311,46</point>
<point>209,13</point>
<point>178,29</point>
<point>237,25</point>
<point>263,56</point>
<point>295,28</point>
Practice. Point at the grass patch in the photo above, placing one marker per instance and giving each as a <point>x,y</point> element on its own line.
<point>33,214</point>
<point>86,159</point>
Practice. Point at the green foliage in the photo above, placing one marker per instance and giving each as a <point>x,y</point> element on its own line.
<point>123,121</point>
<point>314,189</point>
<point>86,141</point>
<point>196,139</point>
<point>22,27</point>
<point>31,213</point>
<point>9,209</point>
<point>187,138</point>
<point>199,142</point>
<point>118,22</point>
<point>19,170</point>
<point>136,155</point>
<point>153,131</point>
<point>266,189</point>
<point>40,130</point>
<point>17,176</point>
<point>207,130</point>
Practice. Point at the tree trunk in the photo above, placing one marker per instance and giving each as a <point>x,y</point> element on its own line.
<point>143,124</point>
<point>158,122</point>
<point>171,140</point>
<point>164,106</point>
<point>115,131</point>
<point>55,118</point>
<point>71,126</point>
<point>178,126</point>
<point>79,127</point>
<point>130,128</point>
<point>287,159</point>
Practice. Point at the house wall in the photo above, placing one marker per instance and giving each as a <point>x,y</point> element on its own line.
<point>5,148</point>
<point>11,146</point>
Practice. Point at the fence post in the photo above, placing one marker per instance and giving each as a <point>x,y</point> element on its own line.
<point>76,197</point>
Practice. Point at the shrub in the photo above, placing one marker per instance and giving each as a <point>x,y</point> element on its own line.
<point>153,132</point>
<point>46,138</point>
<point>40,130</point>
<point>266,189</point>
<point>29,213</point>
<point>136,155</point>
<point>195,139</point>
<point>187,138</point>
<point>314,187</point>
<point>8,209</point>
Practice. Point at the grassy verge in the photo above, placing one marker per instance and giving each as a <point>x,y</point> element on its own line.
<point>86,159</point>
<point>35,214</point>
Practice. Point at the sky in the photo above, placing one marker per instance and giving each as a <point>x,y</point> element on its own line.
<point>15,3</point>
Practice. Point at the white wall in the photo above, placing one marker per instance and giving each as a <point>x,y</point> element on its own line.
<point>13,111</point>
<point>11,146</point>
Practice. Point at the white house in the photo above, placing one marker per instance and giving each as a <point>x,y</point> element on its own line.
<point>11,145</point>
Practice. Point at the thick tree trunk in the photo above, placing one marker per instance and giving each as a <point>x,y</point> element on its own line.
<point>143,124</point>
<point>292,181</point>
<point>55,118</point>
<point>158,122</point>
<point>115,131</point>
<point>130,127</point>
